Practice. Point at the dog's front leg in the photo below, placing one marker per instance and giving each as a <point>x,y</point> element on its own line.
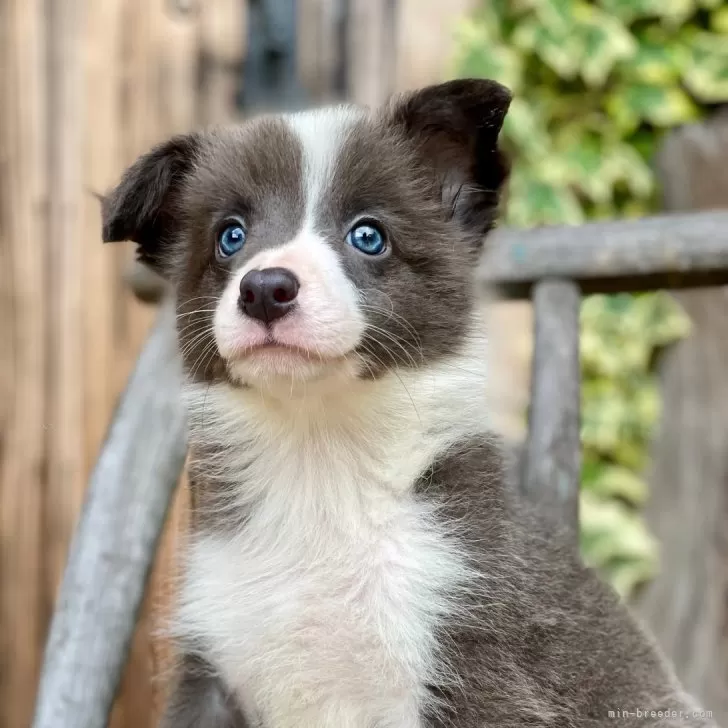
<point>200,700</point>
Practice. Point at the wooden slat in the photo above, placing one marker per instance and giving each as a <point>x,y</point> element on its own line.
<point>131,58</point>
<point>552,456</point>
<point>322,52</point>
<point>669,251</point>
<point>114,545</point>
<point>65,481</point>
<point>223,30</point>
<point>99,274</point>
<point>371,53</point>
<point>23,232</point>
<point>425,40</point>
<point>685,603</point>
<point>162,593</point>
<point>178,48</point>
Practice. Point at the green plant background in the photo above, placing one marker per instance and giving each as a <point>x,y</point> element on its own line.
<point>596,85</point>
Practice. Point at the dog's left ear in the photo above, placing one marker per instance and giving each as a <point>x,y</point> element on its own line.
<point>455,126</point>
<point>144,207</point>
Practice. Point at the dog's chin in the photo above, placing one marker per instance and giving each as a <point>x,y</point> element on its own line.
<point>290,371</point>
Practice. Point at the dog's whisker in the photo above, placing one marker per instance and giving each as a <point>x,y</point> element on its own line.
<point>195,313</point>
<point>376,330</point>
<point>391,314</point>
<point>205,357</point>
<point>196,341</point>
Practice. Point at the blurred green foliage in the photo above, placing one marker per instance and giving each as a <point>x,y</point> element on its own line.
<point>620,407</point>
<point>596,83</point>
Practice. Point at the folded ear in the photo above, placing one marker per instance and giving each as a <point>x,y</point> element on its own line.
<point>456,126</point>
<point>144,206</point>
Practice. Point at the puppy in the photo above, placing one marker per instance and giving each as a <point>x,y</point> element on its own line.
<point>357,561</point>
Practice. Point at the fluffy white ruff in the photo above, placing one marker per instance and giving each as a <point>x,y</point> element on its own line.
<point>320,605</point>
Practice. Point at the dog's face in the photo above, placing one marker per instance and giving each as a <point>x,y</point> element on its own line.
<point>323,245</point>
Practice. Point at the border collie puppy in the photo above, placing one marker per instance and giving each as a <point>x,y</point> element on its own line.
<point>357,561</point>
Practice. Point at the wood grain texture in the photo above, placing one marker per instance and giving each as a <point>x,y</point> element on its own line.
<point>223,30</point>
<point>65,480</point>
<point>553,452</point>
<point>668,251</point>
<point>425,40</point>
<point>23,457</point>
<point>371,50</point>
<point>115,542</point>
<point>685,605</point>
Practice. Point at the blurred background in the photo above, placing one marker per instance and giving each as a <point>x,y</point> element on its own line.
<point>618,112</point>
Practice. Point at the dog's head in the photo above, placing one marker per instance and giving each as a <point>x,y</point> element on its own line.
<point>333,243</point>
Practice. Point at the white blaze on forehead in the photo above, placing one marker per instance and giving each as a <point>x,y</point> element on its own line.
<point>322,133</point>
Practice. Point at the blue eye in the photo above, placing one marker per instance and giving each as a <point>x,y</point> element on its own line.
<point>366,238</point>
<point>231,239</point>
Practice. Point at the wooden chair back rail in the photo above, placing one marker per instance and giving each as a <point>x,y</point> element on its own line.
<point>661,252</point>
<point>115,541</point>
<point>552,457</point>
<point>143,456</point>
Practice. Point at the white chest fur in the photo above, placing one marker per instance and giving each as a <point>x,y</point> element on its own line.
<point>327,629</point>
<point>321,609</point>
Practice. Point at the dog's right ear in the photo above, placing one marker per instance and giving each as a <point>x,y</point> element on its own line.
<point>144,206</point>
<point>455,127</point>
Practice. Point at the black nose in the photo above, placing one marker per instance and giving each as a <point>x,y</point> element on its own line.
<point>268,294</point>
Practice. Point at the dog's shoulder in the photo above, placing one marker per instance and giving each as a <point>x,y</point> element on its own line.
<point>549,643</point>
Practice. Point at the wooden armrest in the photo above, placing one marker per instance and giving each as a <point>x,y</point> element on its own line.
<point>115,541</point>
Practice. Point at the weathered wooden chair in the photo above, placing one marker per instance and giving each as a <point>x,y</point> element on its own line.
<point>141,461</point>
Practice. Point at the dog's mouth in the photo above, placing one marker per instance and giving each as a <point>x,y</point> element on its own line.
<point>279,349</point>
<point>273,362</point>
